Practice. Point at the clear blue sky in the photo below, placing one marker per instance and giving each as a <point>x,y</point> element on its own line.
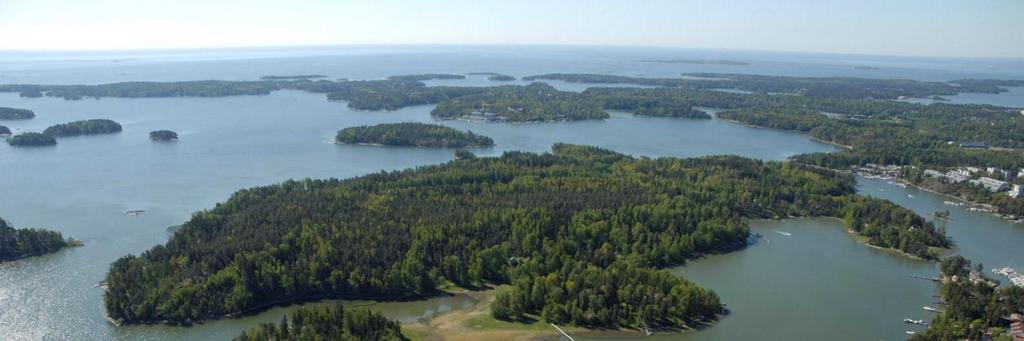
<point>975,28</point>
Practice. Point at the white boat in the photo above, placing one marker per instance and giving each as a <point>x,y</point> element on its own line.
<point>910,333</point>
<point>930,309</point>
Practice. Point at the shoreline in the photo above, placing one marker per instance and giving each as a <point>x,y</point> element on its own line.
<point>987,208</point>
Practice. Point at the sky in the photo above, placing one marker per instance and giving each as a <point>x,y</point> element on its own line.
<point>947,28</point>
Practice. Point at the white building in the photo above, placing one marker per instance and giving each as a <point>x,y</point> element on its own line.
<point>991,184</point>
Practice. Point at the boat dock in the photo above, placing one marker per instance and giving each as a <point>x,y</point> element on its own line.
<point>1016,278</point>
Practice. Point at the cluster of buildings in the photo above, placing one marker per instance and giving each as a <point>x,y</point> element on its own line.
<point>872,170</point>
<point>962,174</point>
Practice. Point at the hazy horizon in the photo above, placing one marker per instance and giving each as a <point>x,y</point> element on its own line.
<point>915,28</point>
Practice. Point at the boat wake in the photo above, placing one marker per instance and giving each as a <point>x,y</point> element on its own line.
<point>787,234</point>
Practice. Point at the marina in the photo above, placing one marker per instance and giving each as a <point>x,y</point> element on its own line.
<point>1016,278</point>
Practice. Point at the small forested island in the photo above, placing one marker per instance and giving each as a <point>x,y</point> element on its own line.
<point>15,114</point>
<point>537,102</point>
<point>30,139</point>
<point>322,323</point>
<point>83,127</point>
<point>425,77</point>
<point>560,227</point>
<point>412,134</point>
<point>975,308</point>
<point>867,68</point>
<point>494,76</point>
<point>5,131</point>
<point>163,135</point>
<point>292,77</point>
<point>26,242</point>
<point>697,61</point>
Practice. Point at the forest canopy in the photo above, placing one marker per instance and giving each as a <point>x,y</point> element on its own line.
<point>83,127</point>
<point>15,114</point>
<point>412,134</point>
<point>30,139</point>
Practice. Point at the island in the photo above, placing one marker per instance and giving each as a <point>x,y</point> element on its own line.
<point>494,76</point>
<point>537,102</point>
<point>5,131</point>
<point>866,68</point>
<point>15,114</point>
<point>412,134</point>
<point>697,61</point>
<point>426,77</point>
<point>83,127</point>
<point>163,135</point>
<point>323,323</point>
<point>31,139</point>
<point>535,223</point>
<point>292,77</point>
<point>26,242</point>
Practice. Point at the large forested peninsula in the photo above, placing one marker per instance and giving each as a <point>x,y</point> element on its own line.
<point>27,242</point>
<point>336,324</point>
<point>83,127</point>
<point>822,87</point>
<point>31,139</point>
<point>585,229</point>
<point>412,134</point>
<point>975,308</point>
<point>15,114</point>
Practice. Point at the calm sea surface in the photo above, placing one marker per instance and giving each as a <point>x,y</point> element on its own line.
<point>816,283</point>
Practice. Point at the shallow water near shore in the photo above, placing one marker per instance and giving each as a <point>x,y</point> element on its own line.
<point>816,283</point>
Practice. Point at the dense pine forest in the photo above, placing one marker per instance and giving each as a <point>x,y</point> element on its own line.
<point>567,225</point>
<point>27,242</point>
<point>336,324</point>
<point>975,308</point>
<point>412,134</point>
<point>83,127</point>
